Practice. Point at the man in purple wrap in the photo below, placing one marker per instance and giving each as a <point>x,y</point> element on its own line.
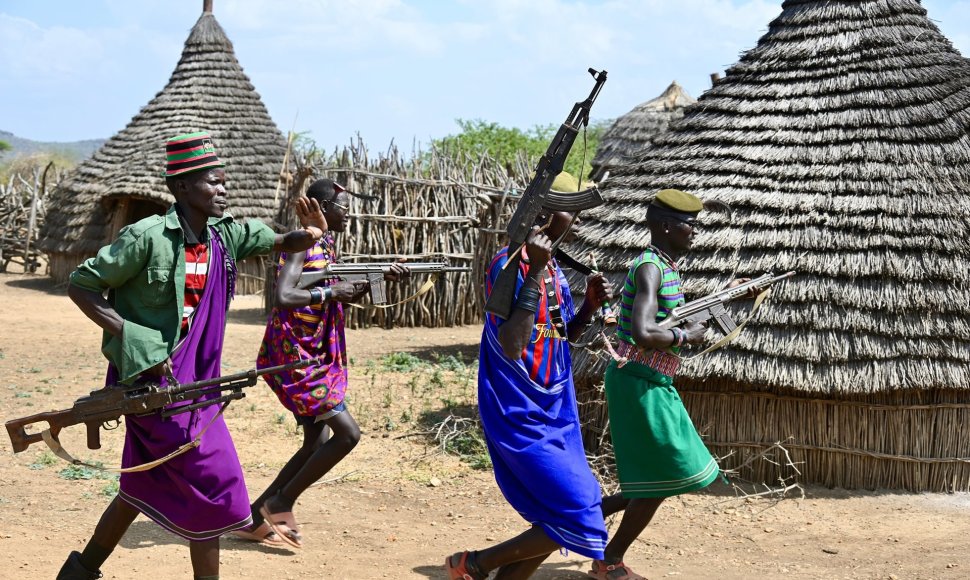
<point>169,281</point>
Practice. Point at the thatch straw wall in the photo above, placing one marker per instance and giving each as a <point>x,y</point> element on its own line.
<point>633,132</point>
<point>123,182</point>
<point>842,141</point>
<point>431,207</point>
<point>909,440</point>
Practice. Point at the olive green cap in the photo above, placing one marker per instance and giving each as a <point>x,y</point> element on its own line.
<point>678,201</point>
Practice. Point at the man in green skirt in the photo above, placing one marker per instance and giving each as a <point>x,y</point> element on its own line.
<point>658,451</point>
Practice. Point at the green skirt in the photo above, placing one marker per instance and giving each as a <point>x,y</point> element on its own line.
<point>658,451</point>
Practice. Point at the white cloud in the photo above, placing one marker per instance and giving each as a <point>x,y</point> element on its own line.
<point>368,25</point>
<point>31,53</point>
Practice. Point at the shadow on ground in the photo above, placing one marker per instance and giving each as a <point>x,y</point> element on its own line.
<point>143,533</point>
<point>39,283</point>
<point>554,571</point>
<point>255,315</point>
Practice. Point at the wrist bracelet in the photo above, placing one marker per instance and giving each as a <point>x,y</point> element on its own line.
<point>673,333</point>
<point>327,294</point>
<point>528,299</point>
<point>316,296</point>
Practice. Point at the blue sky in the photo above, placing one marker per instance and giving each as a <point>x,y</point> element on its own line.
<point>386,69</point>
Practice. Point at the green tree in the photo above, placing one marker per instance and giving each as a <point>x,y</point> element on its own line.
<point>4,146</point>
<point>504,144</point>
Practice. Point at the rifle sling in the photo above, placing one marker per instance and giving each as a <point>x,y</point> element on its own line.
<point>737,330</point>
<point>425,288</point>
<point>58,450</point>
<point>565,259</point>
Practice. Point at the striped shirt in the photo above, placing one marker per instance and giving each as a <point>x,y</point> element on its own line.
<point>546,356</point>
<point>669,296</point>
<point>196,270</point>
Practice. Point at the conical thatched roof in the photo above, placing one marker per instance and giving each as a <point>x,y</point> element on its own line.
<point>630,134</point>
<point>841,141</point>
<point>207,91</point>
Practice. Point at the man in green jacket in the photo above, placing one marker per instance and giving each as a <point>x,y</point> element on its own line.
<point>160,293</point>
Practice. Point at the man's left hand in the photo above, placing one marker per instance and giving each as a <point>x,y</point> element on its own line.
<point>397,272</point>
<point>598,289</point>
<point>752,292</point>
<point>310,215</point>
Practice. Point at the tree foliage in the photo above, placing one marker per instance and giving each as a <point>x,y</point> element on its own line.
<point>504,144</point>
<point>4,146</point>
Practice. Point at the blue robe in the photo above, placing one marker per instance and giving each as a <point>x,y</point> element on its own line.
<point>531,423</point>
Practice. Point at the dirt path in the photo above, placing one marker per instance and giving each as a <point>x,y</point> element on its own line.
<point>396,507</point>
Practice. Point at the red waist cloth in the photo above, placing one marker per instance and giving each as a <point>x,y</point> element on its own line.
<point>658,360</point>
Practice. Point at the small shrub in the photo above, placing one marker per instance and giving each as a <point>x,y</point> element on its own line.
<point>401,362</point>
<point>45,459</point>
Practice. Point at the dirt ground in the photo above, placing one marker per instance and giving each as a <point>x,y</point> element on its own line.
<point>397,506</point>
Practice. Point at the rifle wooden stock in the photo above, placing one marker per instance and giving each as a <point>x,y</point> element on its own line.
<point>537,195</point>
<point>110,403</point>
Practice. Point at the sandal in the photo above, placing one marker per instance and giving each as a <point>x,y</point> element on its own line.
<point>284,524</point>
<point>457,567</point>
<point>619,571</point>
<point>262,534</point>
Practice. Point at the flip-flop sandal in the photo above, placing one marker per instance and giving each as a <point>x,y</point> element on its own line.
<point>263,534</point>
<point>457,567</point>
<point>284,524</point>
<point>619,571</point>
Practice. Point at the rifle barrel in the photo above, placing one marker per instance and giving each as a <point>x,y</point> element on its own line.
<point>250,374</point>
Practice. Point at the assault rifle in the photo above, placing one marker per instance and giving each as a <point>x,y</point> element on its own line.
<point>373,273</point>
<point>110,403</point>
<point>711,307</point>
<point>538,196</point>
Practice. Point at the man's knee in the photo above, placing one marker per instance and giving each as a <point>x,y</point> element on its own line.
<point>349,439</point>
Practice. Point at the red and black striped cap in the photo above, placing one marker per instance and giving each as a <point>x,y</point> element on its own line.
<point>190,152</point>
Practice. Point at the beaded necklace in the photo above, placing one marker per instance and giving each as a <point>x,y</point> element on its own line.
<point>663,255</point>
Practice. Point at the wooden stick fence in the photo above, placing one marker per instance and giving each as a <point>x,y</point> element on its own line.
<point>22,209</point>
<point>430,207</point>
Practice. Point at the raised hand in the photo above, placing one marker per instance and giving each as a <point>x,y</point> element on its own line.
<point>311,216</point>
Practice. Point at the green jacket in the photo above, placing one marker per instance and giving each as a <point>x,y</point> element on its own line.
<point>143,271</point>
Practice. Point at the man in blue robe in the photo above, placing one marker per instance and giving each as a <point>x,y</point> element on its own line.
<point>528,409</point>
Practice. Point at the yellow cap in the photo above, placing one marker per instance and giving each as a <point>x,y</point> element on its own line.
<point>565,182</point>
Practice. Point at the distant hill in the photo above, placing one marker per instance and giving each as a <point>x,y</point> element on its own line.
<point>75,150</point>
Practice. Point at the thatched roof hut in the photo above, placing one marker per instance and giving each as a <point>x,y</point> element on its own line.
<point>841,141</point>
<point>630,134</point>
<point>123,181</point>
